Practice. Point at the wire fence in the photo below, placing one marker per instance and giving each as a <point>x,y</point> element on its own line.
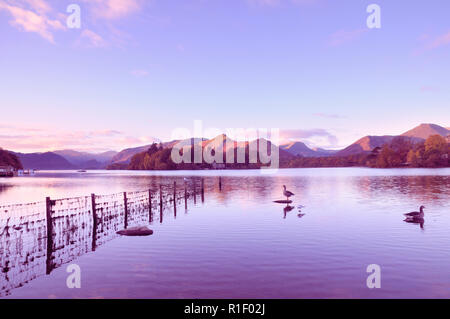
<point>36,238</point>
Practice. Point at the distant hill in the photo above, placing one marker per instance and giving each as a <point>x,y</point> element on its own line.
<point>44,161</point>
<point>9,159</point>
<point>123,158</point>
<point>365,144</point>
<point>424,131</point>
<point>417,134</point>
<point>87,160</point>
<point>301,149</point>
<point>159,158</point>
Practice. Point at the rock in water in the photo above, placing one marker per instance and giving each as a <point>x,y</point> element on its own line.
<point>136,231</point>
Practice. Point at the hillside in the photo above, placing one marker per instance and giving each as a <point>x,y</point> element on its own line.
<point>301,149</point>
<point>424,131</point>
<point>158,157</point>
<point>123,158</point>
<point>9,159</point>
<point>87,160</point>
<point>416,135</point>
<point>44,161</point>
<point>365,144</point>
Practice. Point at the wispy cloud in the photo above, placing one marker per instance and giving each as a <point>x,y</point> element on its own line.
<point>113,9</point>
<point>18,138</point>
<point>329,116</point>
<point>33,16</point>
<point>430,43</point>
<point>274,3</point>
<point>345,36</point>
<point>429,88</point>
<point>92,39</point>
<point>316,137</point>
<point>139,73</point>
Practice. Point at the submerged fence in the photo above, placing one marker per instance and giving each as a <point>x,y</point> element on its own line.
<point>36,238</point>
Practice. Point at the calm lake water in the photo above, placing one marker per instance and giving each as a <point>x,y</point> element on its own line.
<point>238,243</point>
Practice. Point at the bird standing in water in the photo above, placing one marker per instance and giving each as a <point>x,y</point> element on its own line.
<point>287,193</point>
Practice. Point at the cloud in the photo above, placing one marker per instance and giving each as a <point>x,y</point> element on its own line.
<point>311,137</point>
<point>328,116</point>
<point>428,88</point>
<point>265,2</point>
<point>113,9</point>
<point>139,73</point>
<point>433,43</point>
<point>18,138</point>
<point>274,3</point>
<point>94,40</point>
<point>345,36</point>
<point>33,19</point>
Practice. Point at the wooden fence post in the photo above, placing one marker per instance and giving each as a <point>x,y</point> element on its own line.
<point>175,199</point>
<point>150,217</point>
<point>195,193</point>
<point>203,190</point>
<point>185,196</point>
<point>94,225</point>
<point>48,207</point>
<point>160,205</point>
<point>125,203</point>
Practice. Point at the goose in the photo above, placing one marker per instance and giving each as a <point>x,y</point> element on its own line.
<point>287,193</point>
<point>416,215</point>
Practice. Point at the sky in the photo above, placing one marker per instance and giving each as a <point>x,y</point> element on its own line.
<point>136,71</point>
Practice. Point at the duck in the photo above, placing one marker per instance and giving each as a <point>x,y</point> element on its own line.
<point>287,193</point>
<point>416,215</point>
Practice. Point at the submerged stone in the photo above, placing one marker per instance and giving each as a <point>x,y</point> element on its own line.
<point>136,231</point>
<point>283,201</point>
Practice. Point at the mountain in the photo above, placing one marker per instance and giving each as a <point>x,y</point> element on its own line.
<point>365,144</point>
<point>154,158</point>
<point>424,131</point>
<point>417,134</point>
<point>87,160</point>
<point>44,161</point>
<point>300,149</point>
<point>124,156</point>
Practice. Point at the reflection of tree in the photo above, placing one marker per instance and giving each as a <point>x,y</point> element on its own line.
<point>4,187</point>
<point>421,188</point>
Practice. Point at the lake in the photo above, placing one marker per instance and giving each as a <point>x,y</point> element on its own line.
<point>238,243</point>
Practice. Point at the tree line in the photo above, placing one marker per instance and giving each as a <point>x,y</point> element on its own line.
<point>401,152</point>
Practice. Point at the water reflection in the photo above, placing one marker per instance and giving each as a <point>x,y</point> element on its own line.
<point>286,210</point>
<point>353,220</point>
<point>32,245</point>
<point>419,221</point>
